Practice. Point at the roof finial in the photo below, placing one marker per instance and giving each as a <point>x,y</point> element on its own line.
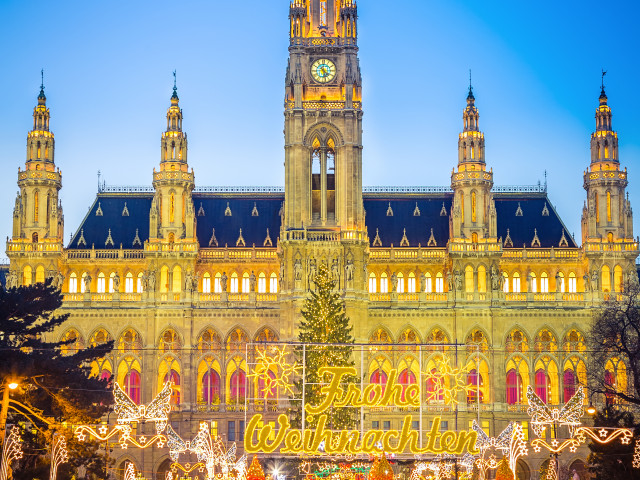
<point>470,96</point>
<point>602,94</point>
<point>175,87</point>
<point>41,96</point>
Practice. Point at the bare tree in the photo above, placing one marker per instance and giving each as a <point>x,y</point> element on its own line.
<point>614,348</point>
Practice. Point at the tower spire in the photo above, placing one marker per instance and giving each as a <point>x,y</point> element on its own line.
<point>602,94</point>
<point>470,96</point>
<point>41,97</point>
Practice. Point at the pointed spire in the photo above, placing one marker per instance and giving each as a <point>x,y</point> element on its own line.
<point>470,97</point>
<point>603,95</point>
<point>536,241</point>
<point>136,240</point>
<point>432,240</point>
<point>416,211</point>
<point>42,99</point>
<point>508,243</point>
<point>174,97</point>
<point>267,241</point>
<point>240,242</point>
<point>213,242</point>
<point>377,242</point>
<point>405,241</point>
<point>109,240</point>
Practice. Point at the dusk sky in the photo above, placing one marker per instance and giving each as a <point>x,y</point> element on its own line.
<point>536,76</point>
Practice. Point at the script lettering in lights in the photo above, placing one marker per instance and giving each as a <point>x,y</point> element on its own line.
<point>264,438</point>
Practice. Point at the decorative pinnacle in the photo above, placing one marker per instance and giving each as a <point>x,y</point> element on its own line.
<point>175,88</point>
<point>42,97</point>
<point>470,96</point>
<point>602,94</point>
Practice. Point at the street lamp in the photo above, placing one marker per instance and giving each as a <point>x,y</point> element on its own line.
<point>591,410</point>
<point>10,384</point>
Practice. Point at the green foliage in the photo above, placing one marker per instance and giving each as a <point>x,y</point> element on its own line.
<point>324,325</point>
<point>613,461</point>
<point>57,386</point>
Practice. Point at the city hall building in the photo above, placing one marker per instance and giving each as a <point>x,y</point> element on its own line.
<point>186,278</point>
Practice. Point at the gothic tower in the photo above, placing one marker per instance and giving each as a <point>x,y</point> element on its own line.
<point>323,115</point>
<point>38,223</point>
<point>607,215</point>
<point>474,213</point>
<point>172,217</point>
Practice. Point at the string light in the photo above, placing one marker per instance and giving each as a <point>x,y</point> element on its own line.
<point>636,454</point>
<point>59,454</point>
<point>510,442</point>
<point>278,366</point>
<point>446,381</point>
<point>12,451</point>
<point>157,411</point>
<point>542,416</point>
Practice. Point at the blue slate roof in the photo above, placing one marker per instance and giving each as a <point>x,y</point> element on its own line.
<point>389,215</point>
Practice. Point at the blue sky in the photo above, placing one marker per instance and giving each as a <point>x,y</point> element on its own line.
<point>536,75</point>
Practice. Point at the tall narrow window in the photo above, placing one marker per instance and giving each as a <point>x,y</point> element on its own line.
<point>36,206</point>
<point>139,282</point>
<point>245,283</point>
<point>273,283</point>
<point>83,288</point>
<point>560,282</point>
<point>608,206</point>
<point>372,283</point>
<point>262,283</point>
<point>473,207</point>
<point>462,205</point>
<point>533,283</point>
<point>39,150</point>
<point>505,286</point>
<point>468,279</point>
<point>482,279</point>
<point>439,283</point>
<point>101,283</point>
<point>323,13</point>
<point>111,282</point>
<point>544,283</point>
<point>177,279</point>
<point>516,282</point>
<point>384,284</point>
<point>27,276</point>
<point>514,387</point>
<point>606,278</point>
<point>428,283</point>
<point>128,283</point>
<point>411,283</point>
<point>400,285</point>
<point>206,283</point>
<point>597,206</point>
<point>217,283</point>
<point>234,282</point>
<point>73,283</point>
<point>172,207</point>
<point>573,283</point>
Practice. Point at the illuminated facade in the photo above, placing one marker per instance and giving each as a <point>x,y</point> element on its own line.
<point>184,277</point>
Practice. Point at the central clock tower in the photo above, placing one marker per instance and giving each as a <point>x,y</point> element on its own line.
<point>323,213</point>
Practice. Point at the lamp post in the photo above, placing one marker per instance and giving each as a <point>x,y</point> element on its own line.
<point>8,386</point>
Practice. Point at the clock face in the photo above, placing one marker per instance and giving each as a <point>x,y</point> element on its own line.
<point>323,70</point>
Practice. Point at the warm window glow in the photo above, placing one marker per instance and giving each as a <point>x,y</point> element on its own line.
<point>177,279</point>
<point>608,206</point>
<point>428,286</point>
<point>597,205</point>
<point>384,284</point>
<point>411,283</point>
<point>172,207</point>
<point>505,286</point>
<point>164,279</point>
<point>262,283</point>
<point>468,279</point>
<point>111,285</point>
<point>617,278</point>
<point>400,285</point>
<point>323,13</point>
<point>573,283</point>
<point>473,207</point>
<point>439,283</point>
<point>139,283</point>
<point>82,287</point>
<point>36,206</point>
<point>73,283</point>
<point>482,279</point>
<point>128,283</point>
<point>245,283</point>
<point>27,276</point>
<point>217,283</point>
<point>516,282</point>
<point>39,274</point>
<point>606,278</point>
<point>273,283</point>
<point>544,283</point>
<point>206,283</point>
<point>560,282</point>
<point>534,282</point>
<point>102,285</point>
<point>372,283</point>
<point>234,283</point>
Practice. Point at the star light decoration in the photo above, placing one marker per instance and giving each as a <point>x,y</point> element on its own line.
<point>446,381</point>
<point>510,442</point>
<point>277,365</point>
<point>210,452</point>
<point>12,450</point>
<point>59,454</point>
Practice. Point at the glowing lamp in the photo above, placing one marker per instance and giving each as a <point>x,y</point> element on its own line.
<point>591,410</point>
<point>13,385</point>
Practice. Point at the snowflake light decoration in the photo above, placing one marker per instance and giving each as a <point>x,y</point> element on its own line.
<point>12,450</point>
<point>275,371</point>
<point>59,454</point>
<point>446,381</point>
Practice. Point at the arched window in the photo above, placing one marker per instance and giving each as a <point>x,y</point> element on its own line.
<point>468,279</point>
<point>128,283</point>
<point>102,285</point>
<point>380,335</point>
<point>569,380</point>
<point>606,278</point>
<point>546,341</point>
<point>516,342</point>
<point>516,282</point>
<point>73,283</point>
<point>173,376</point>
<point>210,387</point>
<point>36,206</point>
<point>533,282</point>
<point>76,343</point>
<point>608,206</point>
<point>130,341</point>
<point>617,279</point>
<point>209,341</point>
<point>482,279</point>
<point>439,283</point>
<point>473,207</point>
<point>246,287</point>
<point>170,342</point>
<point>542,385</point>
<point>384,284</point>
<point>217,283</point>
<point>574,342</point>
<point>34,237</point>
<point>82,286</point>
<point>406,378</point>
<point>39,274</point>
<point>411,283</point>
<point>172,206</point>
<point>514,387</point>
<point>428,283</point>
<point>544,283</point>
<point>132,385</point>
<point>237,386</point>
<point>378,377</point>
<point>273,283</point>
<point>474,387</point>
<point>234,283</point>
<point>372,283</point>
<point>206,283</point>
<point>573,283</point>
<point>139,282</point>
<point>176,285</point>
<point>505,286</point>
<point>400,285</point>
<point>111,280</point>
<point>262,283</point>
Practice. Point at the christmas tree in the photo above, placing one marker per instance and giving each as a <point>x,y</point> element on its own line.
<point>255,471</point>
<point>381,470</point>
<point>504,472</point>
<point>326,331</point>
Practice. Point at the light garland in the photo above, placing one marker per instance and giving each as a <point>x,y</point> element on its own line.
<point>59,454</point>
<point>636,454</point>
<point>103,434</point>
<point>542,416</point>
<point>446,382</point>
<point>277,365</point>
<point>157,411</point>
<point>12,450</point>
<point>510,442</point>
<point>552,470</point>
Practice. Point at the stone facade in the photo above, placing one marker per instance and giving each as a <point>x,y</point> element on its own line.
<point>184,277</point>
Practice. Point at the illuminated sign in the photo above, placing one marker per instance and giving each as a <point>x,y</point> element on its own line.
<point>323,441</point>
